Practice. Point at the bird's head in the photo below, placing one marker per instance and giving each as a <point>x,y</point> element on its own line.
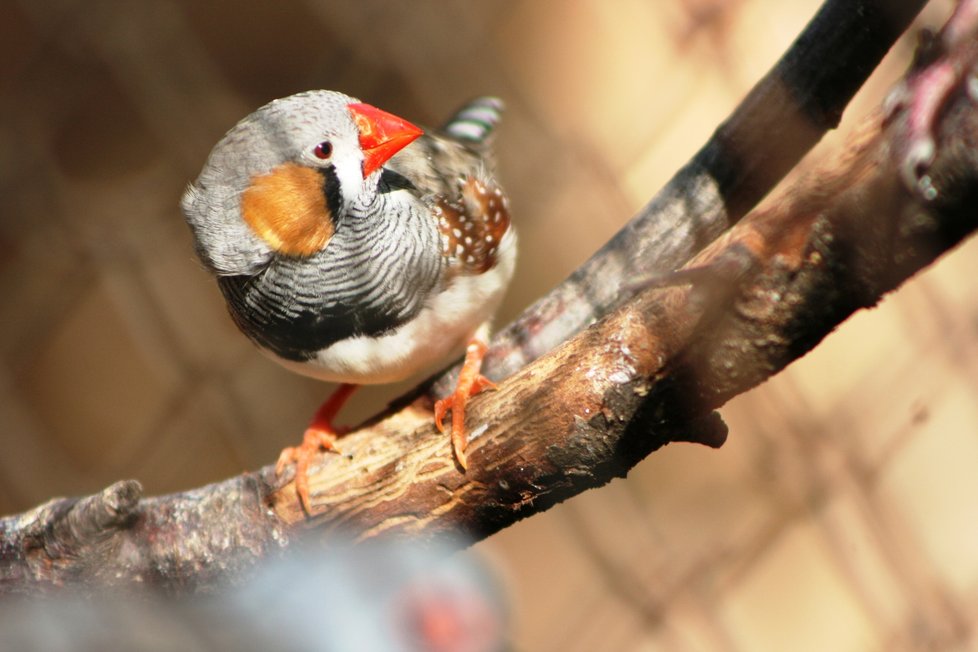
<point>280,180</point>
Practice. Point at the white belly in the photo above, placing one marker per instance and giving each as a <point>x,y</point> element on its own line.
<point>439,331</point>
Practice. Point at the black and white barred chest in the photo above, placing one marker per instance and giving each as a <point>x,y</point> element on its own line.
<point>375,274</point>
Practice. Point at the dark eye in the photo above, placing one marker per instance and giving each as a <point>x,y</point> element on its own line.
<point>323,150</point>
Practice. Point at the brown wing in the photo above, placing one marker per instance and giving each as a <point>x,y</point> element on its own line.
<point>473,225</point>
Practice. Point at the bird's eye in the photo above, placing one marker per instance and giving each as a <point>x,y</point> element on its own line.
<point>323,150</point>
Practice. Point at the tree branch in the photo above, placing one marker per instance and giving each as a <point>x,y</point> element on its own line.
<point>647,373</point>
<point>781,119</point>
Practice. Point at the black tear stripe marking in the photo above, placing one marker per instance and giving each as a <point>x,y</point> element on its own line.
<point>331,191</point>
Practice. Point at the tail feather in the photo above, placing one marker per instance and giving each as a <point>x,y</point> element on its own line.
<point>475,122</point>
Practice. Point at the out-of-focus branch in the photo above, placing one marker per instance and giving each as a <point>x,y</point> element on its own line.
<point>646,374</point>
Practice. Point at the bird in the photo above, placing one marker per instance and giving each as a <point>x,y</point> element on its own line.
<point>354,247</point>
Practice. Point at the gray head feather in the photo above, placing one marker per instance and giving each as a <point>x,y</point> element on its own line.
<point>282,131</point>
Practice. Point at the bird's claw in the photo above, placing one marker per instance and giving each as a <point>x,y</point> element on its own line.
<point>456,403</point>
<point>470,383</point>
<point>314,440</point>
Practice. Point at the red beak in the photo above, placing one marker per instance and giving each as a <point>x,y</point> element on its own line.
<point>382,134</point>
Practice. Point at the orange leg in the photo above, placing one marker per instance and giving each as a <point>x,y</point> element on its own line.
<point>320,435</point>
<point>470,383</point>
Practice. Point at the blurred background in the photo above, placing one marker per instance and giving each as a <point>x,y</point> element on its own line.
<point>841,513</point>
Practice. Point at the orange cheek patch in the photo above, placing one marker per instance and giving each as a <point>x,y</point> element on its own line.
<point>287,209</point>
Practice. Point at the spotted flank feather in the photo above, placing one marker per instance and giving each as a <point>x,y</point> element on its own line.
<point>475,122</point>
<point>473,227</point>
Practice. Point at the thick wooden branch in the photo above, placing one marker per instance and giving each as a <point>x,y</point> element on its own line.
<point>646,374</point>
<point>653,371</point>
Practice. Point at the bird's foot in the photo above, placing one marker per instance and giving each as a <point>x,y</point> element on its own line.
<point>314,440</point>
<point>470,383</point>
<point>321,435</point>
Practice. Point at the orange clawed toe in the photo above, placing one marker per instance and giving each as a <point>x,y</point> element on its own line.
<point>319,436</point>
<point>470,383</point>
<point>314,440</point>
